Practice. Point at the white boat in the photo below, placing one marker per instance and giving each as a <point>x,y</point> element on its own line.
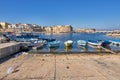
<point>95,43</point>
<point>68,43</point>
<point>38,44</point>
<point>82,43</point>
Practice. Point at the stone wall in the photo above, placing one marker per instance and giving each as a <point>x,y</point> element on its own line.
<point>59,29</point>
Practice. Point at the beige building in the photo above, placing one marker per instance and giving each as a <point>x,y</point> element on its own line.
<point>48,29</point>
<point>59,29</point>
<point>85,30</point>
<point>4,25</point>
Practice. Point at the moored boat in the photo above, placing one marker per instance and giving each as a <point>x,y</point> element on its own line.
<point>95,43</point>
<point>54,44</point>
<point>82,43</point>
<point>68,43</point>
<point>99,43</point>
<point>105,43</point>
<point>38,44</point>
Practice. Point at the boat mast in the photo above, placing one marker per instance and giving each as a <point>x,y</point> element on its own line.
<point>51,33</point>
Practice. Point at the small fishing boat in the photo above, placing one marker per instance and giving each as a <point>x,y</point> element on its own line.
<point>95,43</point>
<point>38,44</point>
<point>99,43</point>
<point>68,43</point>
<point>105,43</point>
<point>54,44</point>
<point>82,43</point>
<point>116,42</point>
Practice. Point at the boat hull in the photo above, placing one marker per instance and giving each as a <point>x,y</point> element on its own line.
<point>68,43</point>
<point>38,46</point>
<point>105,43</point>
<point>95,43</point>
<point>54,44</point>
<point>81,43</point>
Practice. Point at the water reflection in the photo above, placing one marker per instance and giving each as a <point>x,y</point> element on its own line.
<point>107,48</point>
<point>53,49</point>
<point>84,48</point>
<point>68,48</point>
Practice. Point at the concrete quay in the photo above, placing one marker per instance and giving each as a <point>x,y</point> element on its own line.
<point>114,34</point>
<point>7,49</point>
<point>62,67</point>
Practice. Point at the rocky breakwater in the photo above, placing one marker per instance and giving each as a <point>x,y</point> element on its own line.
<point>114,33</point>
<point>85,30</point>
<point>59,29</point>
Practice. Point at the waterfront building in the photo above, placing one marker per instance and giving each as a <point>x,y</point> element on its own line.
<point>48,29</point>
<point>4,25</point>
<point>18,28</point>
<point>37,28</point>
<point>59,29</point>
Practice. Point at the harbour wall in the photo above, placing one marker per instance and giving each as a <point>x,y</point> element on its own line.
<point>7,49</point>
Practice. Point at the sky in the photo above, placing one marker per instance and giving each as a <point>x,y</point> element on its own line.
<point>99,14</point>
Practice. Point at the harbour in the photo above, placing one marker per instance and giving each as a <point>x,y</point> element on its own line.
<point>64,56</point>
<point>62,37</point>
<point>81,42</point>
<point>77,42</point>
<point>60,40</point>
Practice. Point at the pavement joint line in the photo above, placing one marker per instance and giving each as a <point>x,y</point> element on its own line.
<point>55,67</point>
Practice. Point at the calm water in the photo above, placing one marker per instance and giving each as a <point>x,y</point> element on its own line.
<point>75,36</point>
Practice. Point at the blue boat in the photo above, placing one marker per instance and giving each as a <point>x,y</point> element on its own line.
<point>105,43</point>
<point>82,43</point>
<point>54,44</point>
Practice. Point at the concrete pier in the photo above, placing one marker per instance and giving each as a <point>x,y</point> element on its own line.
<point>62,67</point>
<point>7,49</point>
